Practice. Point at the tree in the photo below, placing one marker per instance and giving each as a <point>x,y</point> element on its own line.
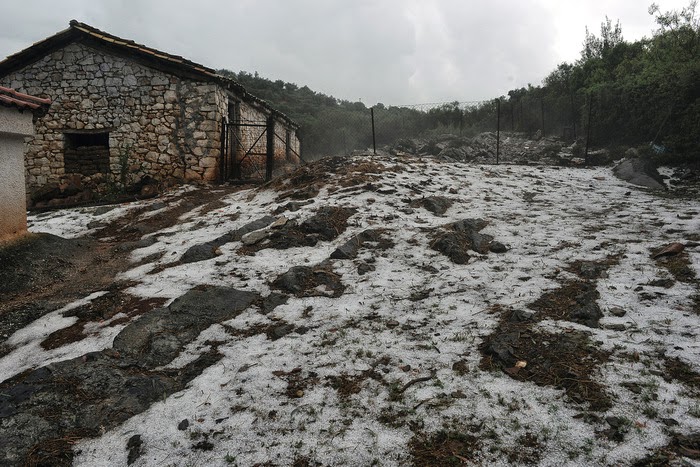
<point>598,47</point>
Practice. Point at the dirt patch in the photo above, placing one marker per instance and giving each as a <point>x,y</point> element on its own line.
<point>132,227</point>
<point>47,410</point>
<point>346,385</point>
<point>566,361</point>
<point>305,281</point>
<point>292,206</point>
<point>34,258</point>
<point>438,205</point>
<point>680,446</point>
<point>43,273</point>
<point>592,270</point>
<point>332,172</point>
<point>102,308</point>
<point>678,370</point>
<point>326,224</point>
<point>444,448</point>
<point>457,239</point>
<point>574,301</point>
<point>297,381</point>
<point>273,331</point>
<point>679,266</point>
<point>370,238</point>
<point>527,450</point>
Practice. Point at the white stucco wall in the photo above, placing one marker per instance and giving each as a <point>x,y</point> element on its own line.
<point>14,127</point>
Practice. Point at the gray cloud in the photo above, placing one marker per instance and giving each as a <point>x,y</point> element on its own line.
<point>390,51</point>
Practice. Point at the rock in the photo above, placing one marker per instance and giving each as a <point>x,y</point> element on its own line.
<point>461,367</point>
<point>280,222</point>
<point>500,347</point>
<point>460,237</point>
<point>438,205</point>
<point>159,336</point>
<point>328,222</point>
<point>452,245</point>
<point>521,316</point>
<point>363,268</point>
<point>455,154</point>
<point>304,281</point>
<point>102,210</point>
<point>148,191</point>
<point>292,206</point>
<point>617,311</point>
<point>183,425</point>
<point>272,301</point>
<point>671,249</point>
<point>639,172</point>
<point>587,313</point>
<point>616,327</point>
<point>281,331</point>
<point>253,226</point>
<point>405,145</point>
<point>591,269</point>
<point>665,283</point>
<point>208,250</point>
<point>469,225</point>
<point>254,237</point>
<point>350,249</point>
<point>134,447</point>
<point>497,247</point>
<point>198,253</point>
<point>615,422</point>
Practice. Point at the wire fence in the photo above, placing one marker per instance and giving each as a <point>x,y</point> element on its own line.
<point>603,118</point>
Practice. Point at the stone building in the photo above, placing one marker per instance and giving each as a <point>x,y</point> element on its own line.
<point>122,111</point>
<point>17,112</point>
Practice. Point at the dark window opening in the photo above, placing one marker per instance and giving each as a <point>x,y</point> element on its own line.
<point>86,153</point>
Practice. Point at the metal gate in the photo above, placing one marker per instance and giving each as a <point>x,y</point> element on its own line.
<point>247,151</point>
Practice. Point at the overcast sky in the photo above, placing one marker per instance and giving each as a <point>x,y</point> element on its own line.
<point>389,51</point>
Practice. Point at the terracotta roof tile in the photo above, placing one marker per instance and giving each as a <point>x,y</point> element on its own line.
<point>10,97</point>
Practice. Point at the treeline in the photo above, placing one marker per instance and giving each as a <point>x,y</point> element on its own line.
<point>632,93</point>
<point>330,126</point>
<point>646,91</point>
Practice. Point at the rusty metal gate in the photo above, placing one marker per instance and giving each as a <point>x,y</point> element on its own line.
<point>247,151</point>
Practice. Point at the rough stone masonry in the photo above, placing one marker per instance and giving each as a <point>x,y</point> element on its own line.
<point>128,109</point>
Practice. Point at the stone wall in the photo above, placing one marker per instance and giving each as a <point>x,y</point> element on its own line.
<point>158,123</point>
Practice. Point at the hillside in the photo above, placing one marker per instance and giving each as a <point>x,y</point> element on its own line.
<point>362,311</point>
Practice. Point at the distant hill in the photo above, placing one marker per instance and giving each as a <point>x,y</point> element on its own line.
<point>628,93</point>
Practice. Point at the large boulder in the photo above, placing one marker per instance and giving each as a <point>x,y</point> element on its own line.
<point>639,172</point>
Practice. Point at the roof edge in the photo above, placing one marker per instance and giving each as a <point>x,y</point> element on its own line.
<point>11,98</point>
<point>78,30</point>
